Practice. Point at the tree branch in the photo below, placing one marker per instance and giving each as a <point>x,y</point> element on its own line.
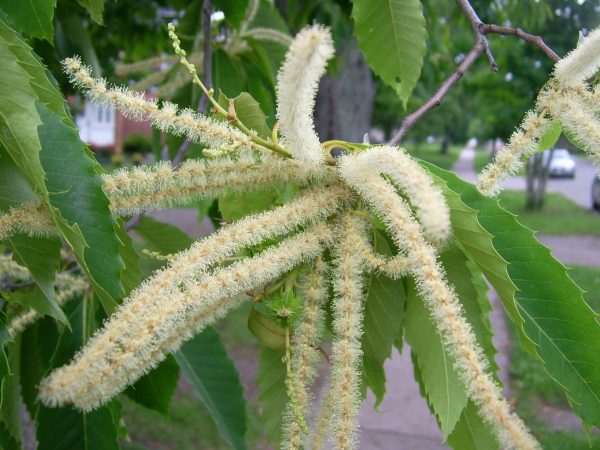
<point>506,31</point>
<point>481,45</point>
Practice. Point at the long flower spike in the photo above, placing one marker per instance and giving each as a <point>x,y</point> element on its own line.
<point>582,63</point>
<point>522,144</point>
<point>110,361</point>
<point>413,181</point>
<point>346,350</point>
<point>441,300</point>
<point>305,352</point>
<point>161,186</point>
<point>196,127</point>
<point>297,84</point>
<point>29,219</point>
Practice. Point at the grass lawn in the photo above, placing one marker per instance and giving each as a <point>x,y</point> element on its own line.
<point>559,215</point>
<point>431,153</point>
<point>533,388</point>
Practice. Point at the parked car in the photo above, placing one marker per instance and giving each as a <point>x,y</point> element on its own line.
<point>562,164</point>
<point>596,193</point>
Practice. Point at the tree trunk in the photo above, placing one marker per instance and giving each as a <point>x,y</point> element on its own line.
<point>345,101</point>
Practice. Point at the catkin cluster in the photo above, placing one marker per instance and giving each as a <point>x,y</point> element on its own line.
<point>325,228</point>
<point>566,98</point>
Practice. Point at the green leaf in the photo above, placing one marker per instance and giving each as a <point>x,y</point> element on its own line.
<point>383,317</point>
<point>41,255</point>
<point>226,73</point>
<point>66,428</point>
<point>80,206</point>
<point>131,275</point>
<point>95,8</point>
<point>237,205</point>
<point>234,11</point>
<point>440,382</point>
<point>554,315</point>
<point>392,35</point>
<point>272,394</point>
<point>471,433</point>
<point>78,36</point>
<point>205,364</point>
<point>444,390</point>
<point>550,137</point>
<point>155,389</point>
<point>10,416</point>
<point>33,114</point>
<point>162,237</point>
<point>32,17</point>
<point>249,112</point>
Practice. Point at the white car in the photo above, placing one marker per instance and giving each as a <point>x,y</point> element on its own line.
<point>562,164</point>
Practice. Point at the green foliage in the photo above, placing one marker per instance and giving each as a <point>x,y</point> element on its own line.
<point>32,17</point>
<point>204,362</point>
<point>95,9</point>
<point>155,389</point>
<point>384,315</point>
<point>533,274</point>
<point>392,35</point>
<point>272,395</point>
<point>137,142</point>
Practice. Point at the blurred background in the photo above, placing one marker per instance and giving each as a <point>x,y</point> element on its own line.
<point>557,194</point>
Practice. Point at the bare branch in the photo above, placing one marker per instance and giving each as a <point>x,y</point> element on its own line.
<point>536,40</point>
<point>436,100</point>
<point>481,46</point>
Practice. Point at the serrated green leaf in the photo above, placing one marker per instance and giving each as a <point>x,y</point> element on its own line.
<point>441,383</point>
<point>41,255</point>
<point>66,428</point>
<point>95,8</point>
<point>32,369</point>
<point>131,275</point>
<point>155,389</point>
<point>555,317</point>
<point>32,17</point>
<point>383,317</point>
<point>80,207</point>
<point>272,394</point>
<point>439,380</point>
<point>392,35</point>
<point>205,364</point>
<point>33,114</point>
<point>471,433</point>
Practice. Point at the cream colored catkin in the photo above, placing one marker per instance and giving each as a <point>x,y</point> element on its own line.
<point>10,269</point>
<point>522,144</point>
<point>576,116</point>
<point>67,287</point>
<point>306,338</point>
<point>582,63</point>
<point>445,309</point>
<point>110,361</point>
<point>297,84</point>
<point>414,182</point>
<point>28,218</point>
<point>196,127</point>
<point>161,186</point>
<point>346,350</point>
